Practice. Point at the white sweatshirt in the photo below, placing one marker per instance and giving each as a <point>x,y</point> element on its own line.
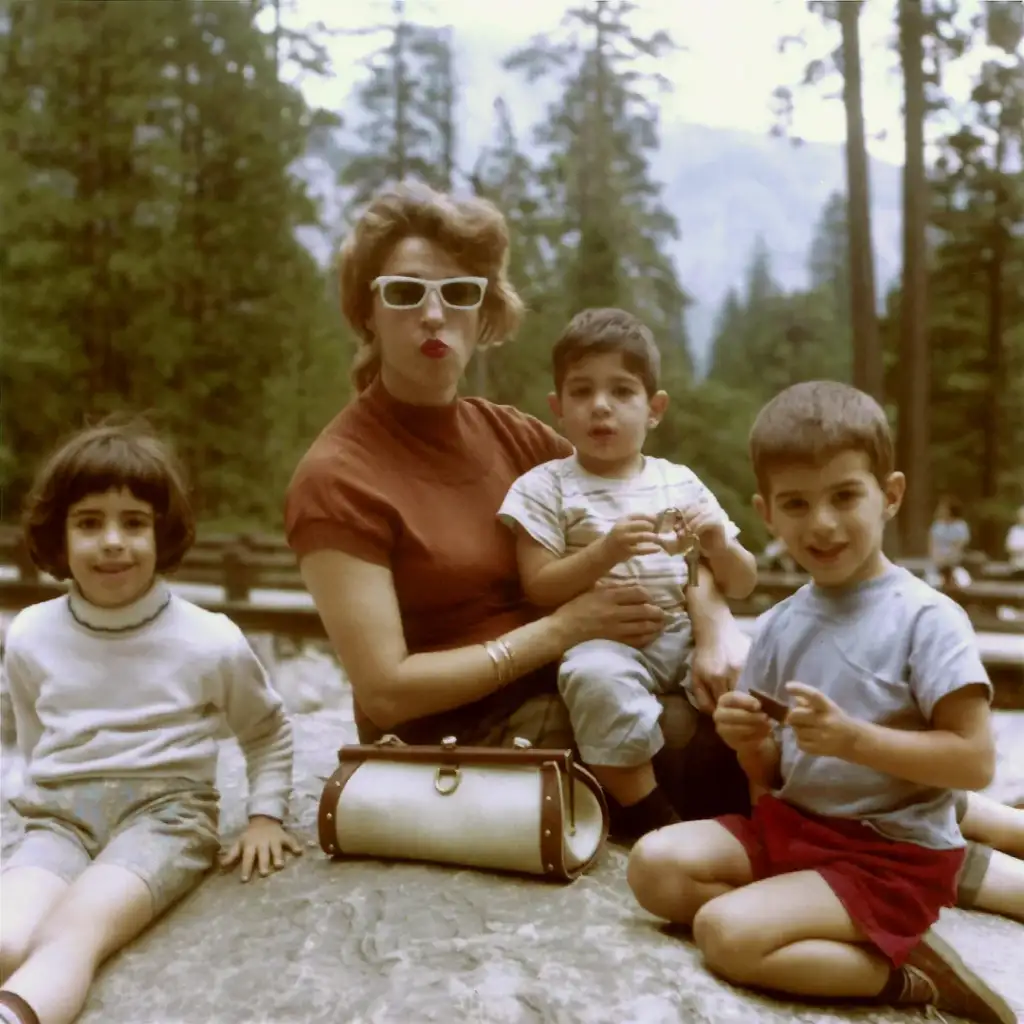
<point>143,691</point>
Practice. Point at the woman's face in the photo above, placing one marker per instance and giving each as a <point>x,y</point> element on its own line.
<point>428,326</point>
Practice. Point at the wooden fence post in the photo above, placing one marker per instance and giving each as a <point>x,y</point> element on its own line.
<point>23,560</point>
<point>237,574</point>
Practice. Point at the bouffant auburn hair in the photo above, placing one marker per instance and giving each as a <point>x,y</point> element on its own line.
<point>471,229</point>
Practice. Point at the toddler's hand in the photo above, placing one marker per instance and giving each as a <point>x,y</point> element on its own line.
<point>631,535</point>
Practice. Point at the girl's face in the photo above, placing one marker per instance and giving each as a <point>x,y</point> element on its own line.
<point>111,547</point>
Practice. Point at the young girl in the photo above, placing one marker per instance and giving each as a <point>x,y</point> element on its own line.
<point>119,690</point>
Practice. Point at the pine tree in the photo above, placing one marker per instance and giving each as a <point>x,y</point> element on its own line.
<point>148,250</point>
<point>609,228</point>
<point>406,122</point>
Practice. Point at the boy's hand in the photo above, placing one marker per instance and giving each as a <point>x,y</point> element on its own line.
<point>819,725</point>
<point>631,535</point>
<point>263,843</point>
<point>740,722</point>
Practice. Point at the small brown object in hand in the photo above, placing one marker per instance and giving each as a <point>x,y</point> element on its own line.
<point>774,709</point>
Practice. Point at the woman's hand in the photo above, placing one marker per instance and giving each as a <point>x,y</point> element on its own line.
<point>612,611</point>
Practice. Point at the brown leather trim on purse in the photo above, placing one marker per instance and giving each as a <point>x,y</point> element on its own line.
<point>584,776</point>
<point>455,755</point>
<point>329,800</point>
<point>552,849</point>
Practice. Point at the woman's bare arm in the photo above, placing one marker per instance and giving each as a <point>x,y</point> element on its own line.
<point>359,609</point>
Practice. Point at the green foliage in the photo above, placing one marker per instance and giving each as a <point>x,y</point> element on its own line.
<point>406,112</point>
<point>148,257</point>
<point>976,302</point>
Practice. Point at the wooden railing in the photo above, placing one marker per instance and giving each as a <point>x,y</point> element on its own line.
<point>243,563</point>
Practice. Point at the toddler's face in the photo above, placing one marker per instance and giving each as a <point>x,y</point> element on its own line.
<point>605,412</point>
<point>111,546</point>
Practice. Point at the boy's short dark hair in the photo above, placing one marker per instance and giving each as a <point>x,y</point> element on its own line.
<point>815,420</point>
<point>595,331</point>
<point>118,452</point>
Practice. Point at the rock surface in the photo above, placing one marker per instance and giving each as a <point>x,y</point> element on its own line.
<point>366,943</point>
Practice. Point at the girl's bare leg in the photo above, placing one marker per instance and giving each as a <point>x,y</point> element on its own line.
<point>99,914</point>
<point>27,896</point>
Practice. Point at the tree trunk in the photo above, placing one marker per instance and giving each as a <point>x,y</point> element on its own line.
<point>401,159</point>
<point>915,369</point>
<point>447,111</point>
<point>868,373</point>
<point>988,539</point>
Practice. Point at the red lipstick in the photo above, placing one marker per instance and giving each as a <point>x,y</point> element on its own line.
<point>434,348</point>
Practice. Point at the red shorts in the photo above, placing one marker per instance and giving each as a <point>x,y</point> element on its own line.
<point>893,891</point>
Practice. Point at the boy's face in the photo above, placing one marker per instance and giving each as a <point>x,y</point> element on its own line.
<point>111,547</point>
<point>605,412</point>
<point>832,516</point>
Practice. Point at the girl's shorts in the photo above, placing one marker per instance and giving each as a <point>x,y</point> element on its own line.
<point>162,830</point>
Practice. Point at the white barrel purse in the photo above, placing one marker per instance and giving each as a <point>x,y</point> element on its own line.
<point>518,809</point>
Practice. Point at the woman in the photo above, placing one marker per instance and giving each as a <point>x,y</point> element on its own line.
<point>392,514</point>
<point>393,511</point>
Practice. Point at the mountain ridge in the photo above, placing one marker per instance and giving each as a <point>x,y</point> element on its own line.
<point>726,187</point>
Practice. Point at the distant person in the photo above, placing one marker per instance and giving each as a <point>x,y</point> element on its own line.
<point>1015,546</point>
<point>947,543</point>
<point>595,517</point>
<point>830,887</point>
<point>120,690</point>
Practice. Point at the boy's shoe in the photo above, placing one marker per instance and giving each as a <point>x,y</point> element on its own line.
<point>952,985</point>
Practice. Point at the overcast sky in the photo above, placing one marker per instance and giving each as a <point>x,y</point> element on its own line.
<point>723,77</point>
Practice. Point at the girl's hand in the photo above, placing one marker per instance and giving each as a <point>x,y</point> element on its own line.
<point>263,844</point>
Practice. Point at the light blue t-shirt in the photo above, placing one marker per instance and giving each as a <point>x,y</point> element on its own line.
<point>949,538</point>
<point>886,651</point>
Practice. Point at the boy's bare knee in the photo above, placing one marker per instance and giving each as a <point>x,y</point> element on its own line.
<point>657,875</point>
<point>726,943</point>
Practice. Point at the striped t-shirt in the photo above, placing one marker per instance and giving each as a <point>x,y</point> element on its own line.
<point>564,508</point>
